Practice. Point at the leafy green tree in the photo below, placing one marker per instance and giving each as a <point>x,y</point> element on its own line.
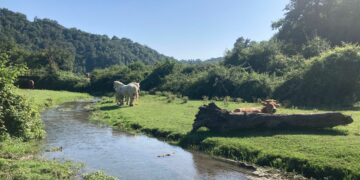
<point>261,57</point>
<point>17,117</point>
<point>71,49</point>
<point>157,76</point>
<point>332,79</point>
<point>333,20</point>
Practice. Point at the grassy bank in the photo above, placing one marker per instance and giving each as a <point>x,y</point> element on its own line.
<point>332,153</point>
<point>17,159</point>
<point>47,98</point>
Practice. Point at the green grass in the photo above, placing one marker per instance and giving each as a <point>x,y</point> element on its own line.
<point>47,98</point>
<point>98,175</point>
<point>332,153</point>
<point>17,159</point>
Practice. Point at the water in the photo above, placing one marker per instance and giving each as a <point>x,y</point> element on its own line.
<point>123,155</point>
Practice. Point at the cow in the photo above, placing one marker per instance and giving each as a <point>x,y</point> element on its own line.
<point>30,84</point>
<point>127,92</point>
<point>269,107</point>
<point>137,90</point>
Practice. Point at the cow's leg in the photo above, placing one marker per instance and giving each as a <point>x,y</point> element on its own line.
<point>126,100</point>
<point>121,100</point>
<point>118,99</point>
<point>131,100</point>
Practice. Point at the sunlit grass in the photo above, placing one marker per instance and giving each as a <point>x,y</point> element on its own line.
<point>47,98</point>
<point>332,152</point>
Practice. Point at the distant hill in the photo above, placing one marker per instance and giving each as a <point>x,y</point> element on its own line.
<point>207,61</point>
<point>84,51</point>
<point>214,60</point>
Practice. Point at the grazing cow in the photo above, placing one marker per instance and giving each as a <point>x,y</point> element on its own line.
<point>129,92</point>
<point>137,90</point>
<point>269,107</point>
<point>30,84</point>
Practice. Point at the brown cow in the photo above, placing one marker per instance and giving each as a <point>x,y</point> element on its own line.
<point>30,84</point>
<point>269,107</point>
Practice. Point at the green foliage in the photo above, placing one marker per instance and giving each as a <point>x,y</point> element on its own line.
<point>17,117</point>
<point>36,169</point>
<point>261,57</point>
<point>59,80</point>
<point>226,101</point>
<point>334,20</point>
<point>98,175</point>
<point>185,99</point>
<point>331,79</point>
<point>102,79</point>
<point>315,47</point>
<point>67,49</point>
<point>156,77</point>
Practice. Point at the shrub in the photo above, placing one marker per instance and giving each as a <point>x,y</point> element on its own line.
<point>156,77</point>
<point>315,47</point>
<point>102,79</point>
<point>17,117</point>
<point>98,175</point>
<point>331,79</point>
<point>205,99</point>
<point>238,100</point>
<point>217,82</point>
<point>226,100</point>
<point>185,99</point>
<point>255,86</point>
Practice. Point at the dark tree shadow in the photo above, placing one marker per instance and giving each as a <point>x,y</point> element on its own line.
<point>112,107</point>
<point>197,137</point>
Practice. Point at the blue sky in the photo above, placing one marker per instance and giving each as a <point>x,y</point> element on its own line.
<point>184,29</point>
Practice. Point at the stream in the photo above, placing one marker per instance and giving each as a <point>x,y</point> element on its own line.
<point>123,155</point>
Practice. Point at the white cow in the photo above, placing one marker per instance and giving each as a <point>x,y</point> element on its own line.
<point>127,92</point>
<point>137,91</point>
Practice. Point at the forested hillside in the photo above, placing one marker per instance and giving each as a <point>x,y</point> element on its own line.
<point>44,41</point>
<point>315,48</point>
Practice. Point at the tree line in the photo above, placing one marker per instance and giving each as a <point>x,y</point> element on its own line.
<point>312,60</point>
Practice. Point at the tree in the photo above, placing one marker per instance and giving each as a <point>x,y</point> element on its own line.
<point>331,79</point>
<point>17,117</point>
<point>333,20</point>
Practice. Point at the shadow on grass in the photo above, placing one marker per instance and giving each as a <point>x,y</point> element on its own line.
<point>195,138</point>
<point>112,107</point>
<point>325,108</point>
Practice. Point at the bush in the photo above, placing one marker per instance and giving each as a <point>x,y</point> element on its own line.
<point>315,47</point>
<point>185,99</point>
<point>98,175</point>
<point>17,117</point>
<point>257,86</point>
<point>226,100</point>
<point>217,82</point>
<point>102,79</point>
<point>332,79</point>
<point>156,77</point>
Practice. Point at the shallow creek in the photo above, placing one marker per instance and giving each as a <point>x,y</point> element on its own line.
<point>123,155</point>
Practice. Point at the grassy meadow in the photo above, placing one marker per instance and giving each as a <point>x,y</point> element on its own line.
<point>17,160</point>
<point>332,153</point>
<point>47,98</point>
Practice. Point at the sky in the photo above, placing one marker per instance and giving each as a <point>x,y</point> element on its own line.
<point>184,29</point>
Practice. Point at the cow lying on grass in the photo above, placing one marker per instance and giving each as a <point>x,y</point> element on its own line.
<point>269,107</point>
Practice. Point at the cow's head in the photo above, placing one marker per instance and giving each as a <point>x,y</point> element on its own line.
<point>270,106</point>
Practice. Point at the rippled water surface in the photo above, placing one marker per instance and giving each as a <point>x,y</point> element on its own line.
<point>123,155</point>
